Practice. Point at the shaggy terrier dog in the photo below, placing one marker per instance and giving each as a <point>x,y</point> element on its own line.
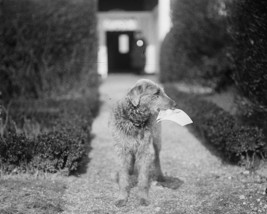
<point>137,137</point>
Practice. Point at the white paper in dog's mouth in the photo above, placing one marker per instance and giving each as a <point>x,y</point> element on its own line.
<point>177,115</point>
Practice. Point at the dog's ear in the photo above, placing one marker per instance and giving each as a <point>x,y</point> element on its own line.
<point>134,95</point>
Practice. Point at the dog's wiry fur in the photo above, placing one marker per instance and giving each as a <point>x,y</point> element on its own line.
<point>137,136</point>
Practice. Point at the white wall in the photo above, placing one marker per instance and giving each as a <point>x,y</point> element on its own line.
<point>164,18</point>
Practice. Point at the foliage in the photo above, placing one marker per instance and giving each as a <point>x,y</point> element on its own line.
<point>47,47</point>
<point>48,51</point>
<point>222,130</point>
<point>248,29</point>
<point>196,47</point>
<point>59,143</point>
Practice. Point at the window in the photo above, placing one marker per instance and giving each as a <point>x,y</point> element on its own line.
<point>123,43</point>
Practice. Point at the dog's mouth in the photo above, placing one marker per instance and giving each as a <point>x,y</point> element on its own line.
<point>158,109</point>
<point>163,109</point>
<point>166,108</point>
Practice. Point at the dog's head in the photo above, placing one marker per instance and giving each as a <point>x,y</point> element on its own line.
<point>146,93</point>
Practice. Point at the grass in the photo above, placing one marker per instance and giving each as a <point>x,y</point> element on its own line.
<point>239,194</point>
<point>27,195</point>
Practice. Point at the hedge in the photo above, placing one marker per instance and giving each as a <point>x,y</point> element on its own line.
<point>248,28</point>
<point>221,130</point>
<point>55,140</point>
<point>47,47</point>
<point>196,48</point>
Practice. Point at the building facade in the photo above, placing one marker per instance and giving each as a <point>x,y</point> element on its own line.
<point>130,35</point>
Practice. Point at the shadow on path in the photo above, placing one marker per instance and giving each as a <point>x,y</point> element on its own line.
<point>211,148</point>
<point>171,182</point>
<point>82,168</point>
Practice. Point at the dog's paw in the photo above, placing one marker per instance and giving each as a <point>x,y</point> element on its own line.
<point>120,203</point>
<point>144,202</point>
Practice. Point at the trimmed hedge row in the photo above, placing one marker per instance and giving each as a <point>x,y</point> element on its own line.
<point>248,27</point>
<point>223,131</point>
<point>195,49</point>
<point>47,47</point>
<point>57,144</point>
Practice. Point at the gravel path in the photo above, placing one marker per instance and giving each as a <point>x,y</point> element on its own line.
<point>204,182</point>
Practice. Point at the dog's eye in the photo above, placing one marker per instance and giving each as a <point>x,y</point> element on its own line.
<point>157,93</point>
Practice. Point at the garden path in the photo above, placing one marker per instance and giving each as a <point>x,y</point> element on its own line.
<point>204,181</point>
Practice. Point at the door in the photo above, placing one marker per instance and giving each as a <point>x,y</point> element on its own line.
<point>119,44</point>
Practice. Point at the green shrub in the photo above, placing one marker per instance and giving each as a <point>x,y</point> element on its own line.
<point>195,50</point>
<point>222,130</point>
<point>47,47</point>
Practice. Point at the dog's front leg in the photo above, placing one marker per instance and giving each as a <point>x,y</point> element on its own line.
<point>144,161</point>
<point>124,184</point>
<point>157,147</point>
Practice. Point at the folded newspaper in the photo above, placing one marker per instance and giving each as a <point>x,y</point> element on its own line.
<point>176,115</point>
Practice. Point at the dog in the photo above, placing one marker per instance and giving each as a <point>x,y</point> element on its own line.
<point>137,137</point>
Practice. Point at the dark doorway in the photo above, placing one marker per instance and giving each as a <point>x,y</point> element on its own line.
<point>119,44</point>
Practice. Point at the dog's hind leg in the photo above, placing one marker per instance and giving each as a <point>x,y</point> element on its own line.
<point>123,179</point>
<point>158,172</point>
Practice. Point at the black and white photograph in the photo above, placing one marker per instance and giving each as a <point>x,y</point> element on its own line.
<point>133,107</point>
